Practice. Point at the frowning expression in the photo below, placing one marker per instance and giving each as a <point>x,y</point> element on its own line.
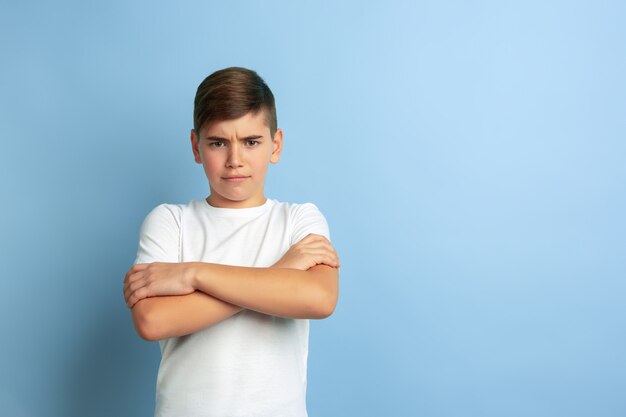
<point>235,155</point>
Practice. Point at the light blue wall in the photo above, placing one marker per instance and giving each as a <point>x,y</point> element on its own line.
<point>469,157</point>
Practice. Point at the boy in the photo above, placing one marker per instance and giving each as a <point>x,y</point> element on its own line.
<point>227,284</point>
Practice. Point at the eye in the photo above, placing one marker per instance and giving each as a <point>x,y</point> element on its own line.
<point>216,144</point>
<point>253,142</point>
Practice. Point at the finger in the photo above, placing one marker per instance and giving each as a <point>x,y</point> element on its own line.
<point>141,285</point>
<point>329,247</point>
<point>135,268</point>
<point>137,275</point>
<point>318,250</point>
<point>332,258</point>
<point>128,274</point>
<point>140,294</point>
<point>323,242</point>
<point>127,293</point>
<point>323,255</point>
<point>315,244</point>
<point>331,261</point>
<point>314,237</point>
<point>132,300</point>
<point>310,241</point>
<point>133,286</point>
<point>133,278</point>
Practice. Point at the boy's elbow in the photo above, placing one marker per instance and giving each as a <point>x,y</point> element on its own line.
<point>144,321</point>
<point>327,290</point>
<point>147,334</point>
<point>327,309</point>
<point>326,304</point>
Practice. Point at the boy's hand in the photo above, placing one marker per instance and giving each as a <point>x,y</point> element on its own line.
<point>310,251</point>
<point>155,279</point>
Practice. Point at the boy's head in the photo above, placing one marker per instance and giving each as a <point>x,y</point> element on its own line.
<point>231,93</point>
<point>235,136</point>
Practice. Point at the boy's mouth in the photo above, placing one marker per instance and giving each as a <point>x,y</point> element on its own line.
<point>235,179</point>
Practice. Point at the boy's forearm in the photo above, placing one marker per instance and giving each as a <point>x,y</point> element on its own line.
<point>283,292</point>
<point>157,318</point>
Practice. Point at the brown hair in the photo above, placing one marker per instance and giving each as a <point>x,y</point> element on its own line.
<point>231,93</point>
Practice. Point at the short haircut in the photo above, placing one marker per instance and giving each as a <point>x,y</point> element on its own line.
<point>231,93</point>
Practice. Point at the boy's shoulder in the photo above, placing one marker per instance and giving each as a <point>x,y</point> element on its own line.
<point>303,208</point>
<point>299,210</point>
<point>168,213</point>
<point>307,218</point>
<point>165,211</point>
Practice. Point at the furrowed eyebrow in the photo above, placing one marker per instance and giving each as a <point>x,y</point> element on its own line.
<point>252,137</point>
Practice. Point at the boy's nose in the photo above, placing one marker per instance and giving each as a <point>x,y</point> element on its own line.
<point>234,157</point>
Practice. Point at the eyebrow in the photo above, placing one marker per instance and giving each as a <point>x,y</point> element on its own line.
<point>251,137</point>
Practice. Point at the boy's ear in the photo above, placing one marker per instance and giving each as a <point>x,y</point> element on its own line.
<point>194,146</point>
<point>277,146</point>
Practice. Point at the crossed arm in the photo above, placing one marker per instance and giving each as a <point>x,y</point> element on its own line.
<point>174,299</point>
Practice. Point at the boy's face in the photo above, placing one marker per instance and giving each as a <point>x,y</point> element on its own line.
<point>235,155</point>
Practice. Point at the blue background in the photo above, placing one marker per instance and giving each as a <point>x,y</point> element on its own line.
<point>469,157</point>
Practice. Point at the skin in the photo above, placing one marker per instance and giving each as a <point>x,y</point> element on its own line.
<point>239,147</point>
<point>174,299</point>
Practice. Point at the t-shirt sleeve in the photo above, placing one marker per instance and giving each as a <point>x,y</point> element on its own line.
<point>307,218</point>
<point>159,236</point>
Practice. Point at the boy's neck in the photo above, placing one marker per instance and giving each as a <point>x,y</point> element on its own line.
<point>235,204</point>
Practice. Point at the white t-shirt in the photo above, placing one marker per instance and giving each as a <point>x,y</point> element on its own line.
<point>250,364</point>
